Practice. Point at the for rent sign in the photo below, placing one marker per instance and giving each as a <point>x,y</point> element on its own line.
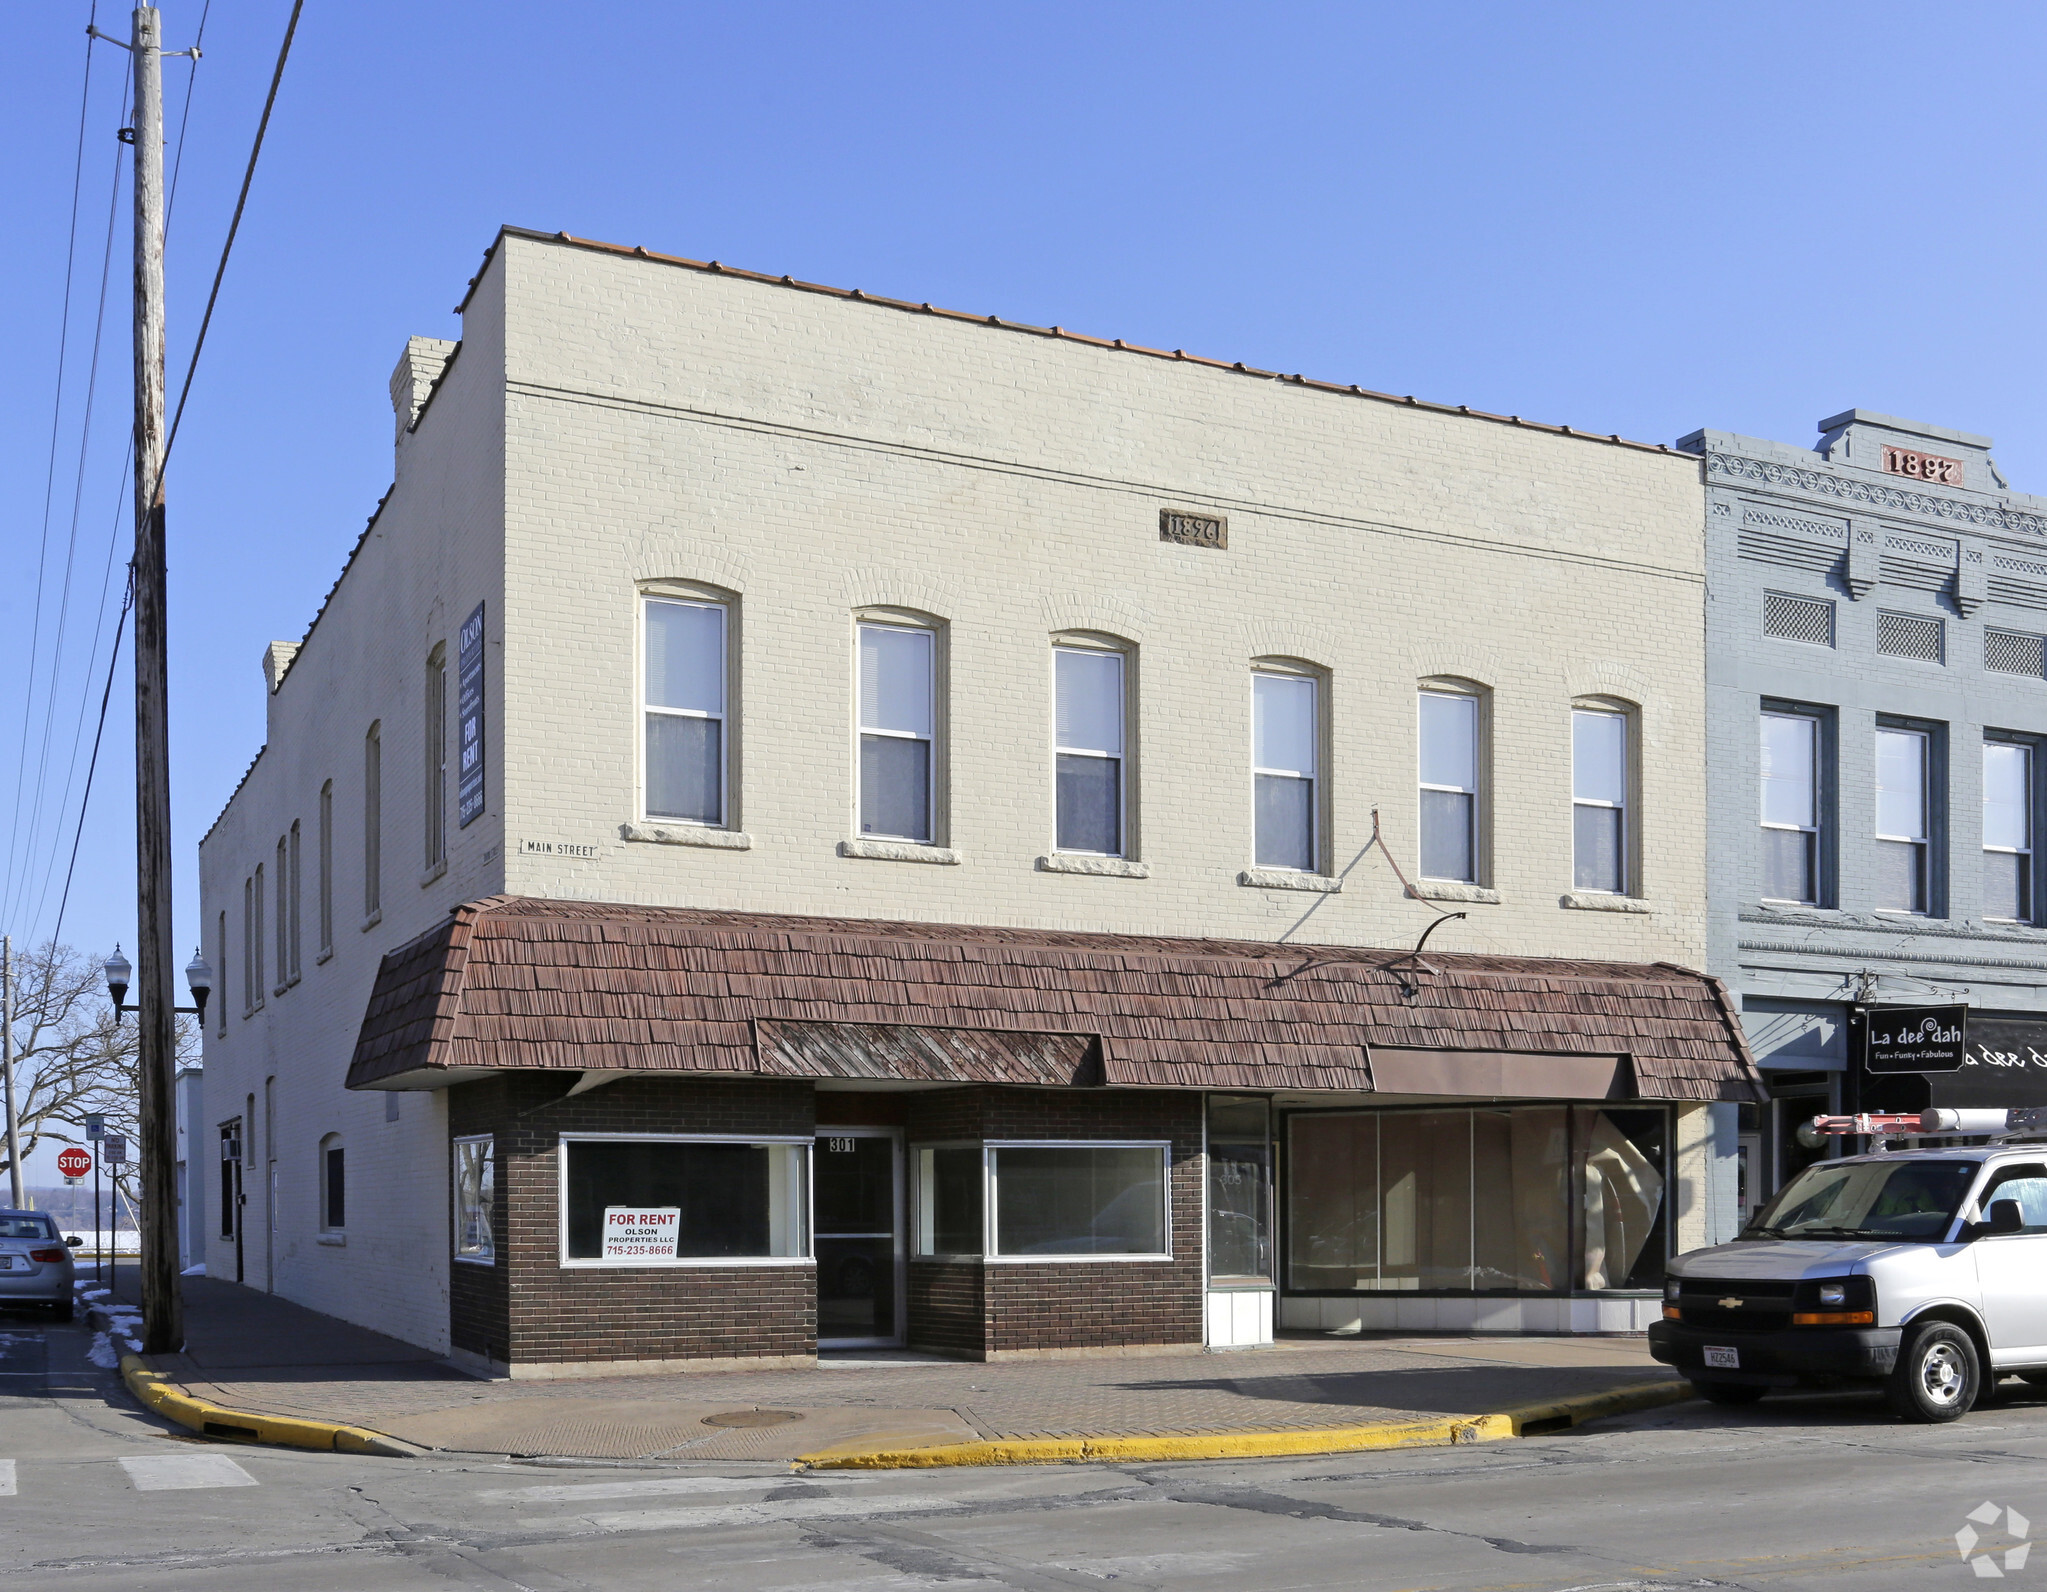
<point>641,1232</point>
<point>1917,1038</point>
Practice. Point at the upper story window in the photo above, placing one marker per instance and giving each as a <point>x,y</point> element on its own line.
<point>436,749</point>
<point>898,731</point>
<point>220,961</point>
<point>2008,800</point>
<point>1088,713</point>
<point>1449,786</point>
<point>1791,807</point>
<point>373,824</point>
<point>1903,830</point>
<point>252,941</point>
<point>1286,769</point>
<point>685,711</point>
<point>1599,800</point>
<point>326,924</point>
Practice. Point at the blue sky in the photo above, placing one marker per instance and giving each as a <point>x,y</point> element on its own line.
<point>1629,218</point>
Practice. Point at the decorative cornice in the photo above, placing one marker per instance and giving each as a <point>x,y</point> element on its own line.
<point>1821,484</point>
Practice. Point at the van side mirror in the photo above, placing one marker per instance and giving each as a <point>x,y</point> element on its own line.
<point>2004,1216</point>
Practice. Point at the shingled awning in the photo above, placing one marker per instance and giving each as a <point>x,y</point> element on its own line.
<point>512,983</point>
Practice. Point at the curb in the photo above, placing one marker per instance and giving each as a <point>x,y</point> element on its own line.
<point>211,1420</point>
<point>1521,1420</point>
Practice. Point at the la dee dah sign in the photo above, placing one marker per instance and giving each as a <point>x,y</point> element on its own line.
<point>1916,1038</point>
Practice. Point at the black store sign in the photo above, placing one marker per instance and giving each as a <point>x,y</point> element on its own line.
<point>1923,1039</point>
<point>469,720</point>
<point>2005,1065</point>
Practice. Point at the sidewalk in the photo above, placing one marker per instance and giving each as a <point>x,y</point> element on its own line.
<point>247,1350</point>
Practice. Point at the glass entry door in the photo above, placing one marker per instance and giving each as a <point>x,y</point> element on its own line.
<point>858,1222</point>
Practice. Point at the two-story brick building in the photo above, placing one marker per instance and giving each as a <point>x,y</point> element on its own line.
<point>1877,701</point>
<point>808,816</point>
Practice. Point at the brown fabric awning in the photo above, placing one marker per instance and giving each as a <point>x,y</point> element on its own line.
<point>515,983</point>
<point>1501,1075</point>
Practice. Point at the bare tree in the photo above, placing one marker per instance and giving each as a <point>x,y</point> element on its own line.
<point>74,1056</point>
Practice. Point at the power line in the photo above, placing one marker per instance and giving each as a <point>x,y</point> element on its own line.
<point>64,901</point>
<point>227,248</point>
<point>56,418</point>
<point>185,117</point>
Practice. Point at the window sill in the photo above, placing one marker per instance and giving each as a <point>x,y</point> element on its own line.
<point>1099,867</point>
<point>687,835</point>
<point>1070,1260</point>
<point>1289,879</point>
<point>433,873</point>
<point>372,920</point>
<point>1242,1285</point>
<point>476,1260</point>
<point>900,851</point>
<point>1601,901</point>
<point>692,1263</point>
<point>1445,890</point>
<point>333,1240</point>
<point>326,955</point>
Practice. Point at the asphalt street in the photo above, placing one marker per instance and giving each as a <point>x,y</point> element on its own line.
<point>1795,1493</point>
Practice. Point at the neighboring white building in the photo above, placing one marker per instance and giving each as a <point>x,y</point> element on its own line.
<point>703,589</point>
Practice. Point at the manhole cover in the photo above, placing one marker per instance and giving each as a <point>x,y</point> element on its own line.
<point>752,1418</point>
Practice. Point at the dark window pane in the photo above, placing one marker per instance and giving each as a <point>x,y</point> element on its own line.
<point>1079,1201</point>
<point>1788,873</point>
<point>337,1189</point>
<point>895,787</point>
<point>732,1199</point>
<point>1239,1210</point>
<point>1090,803</point>
<point>1901,875</point>
<point>1286,822</point>
<point>1596,848</point>
<point>1446,835</point>
<point>683,769</point>
<point>951,1193</point>
<point>1521,1199</point>
<point>2006,882</point>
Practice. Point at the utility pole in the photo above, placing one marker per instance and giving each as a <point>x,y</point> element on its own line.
<point>16,1190</point>
<point>163,1325</point>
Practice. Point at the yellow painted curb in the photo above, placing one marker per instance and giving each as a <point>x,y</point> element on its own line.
<point>1516,1421</point>
<point>286,1431</point>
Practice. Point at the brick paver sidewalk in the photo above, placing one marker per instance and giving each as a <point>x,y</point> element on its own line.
<point>248,1350</point>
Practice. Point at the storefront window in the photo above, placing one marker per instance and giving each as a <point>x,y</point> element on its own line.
<point>649,1202</point>
<point>949,1185</point>
<point>1239,1189</point>
<point>475,1186</point>
<point>1522,1199</point>
<point>1080,1199</point>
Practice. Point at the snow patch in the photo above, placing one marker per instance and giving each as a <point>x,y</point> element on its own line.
<point>194,1271</point>
<point>102,1353</point>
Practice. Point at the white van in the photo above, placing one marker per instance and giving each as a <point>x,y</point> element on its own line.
<point>1923,1271</point>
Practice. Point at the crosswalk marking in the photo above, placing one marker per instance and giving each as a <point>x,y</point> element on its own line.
<point>713,1516</point>
<point>576,1492</point>
<point>184,1472</point>
<point>7,1488</point>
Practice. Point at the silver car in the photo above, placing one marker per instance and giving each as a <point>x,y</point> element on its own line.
<point>35,1263</point>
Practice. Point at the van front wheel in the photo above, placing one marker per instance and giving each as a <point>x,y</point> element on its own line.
<point>1937,1376</point>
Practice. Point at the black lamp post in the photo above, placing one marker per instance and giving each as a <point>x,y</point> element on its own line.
<point>198,975</point>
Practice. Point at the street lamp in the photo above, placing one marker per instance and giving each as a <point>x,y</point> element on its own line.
<point>197,974</point>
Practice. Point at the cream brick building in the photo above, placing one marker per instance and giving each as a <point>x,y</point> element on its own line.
<point>616,427</point>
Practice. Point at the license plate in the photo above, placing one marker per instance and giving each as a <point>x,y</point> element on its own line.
<point>1723,1359</point>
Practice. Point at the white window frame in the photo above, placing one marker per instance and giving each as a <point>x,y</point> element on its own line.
<point>723,717</point>
<point>331,1230</point>
<point>1120,758</point>
<point>488,1140</point>
<point>1316,777</point>
<point>1923,842</point>
<point>2026,852</point>
<point>373,823</point>
<point>1816,831</point>
<point>326,922</point>
<point>684,1262</point>
<point>1626,805</point>
<point>1478,778</point>
<point>990,1193</point>
<point>934,825</point>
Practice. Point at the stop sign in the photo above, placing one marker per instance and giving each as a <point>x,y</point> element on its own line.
<point>74,1162</point>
